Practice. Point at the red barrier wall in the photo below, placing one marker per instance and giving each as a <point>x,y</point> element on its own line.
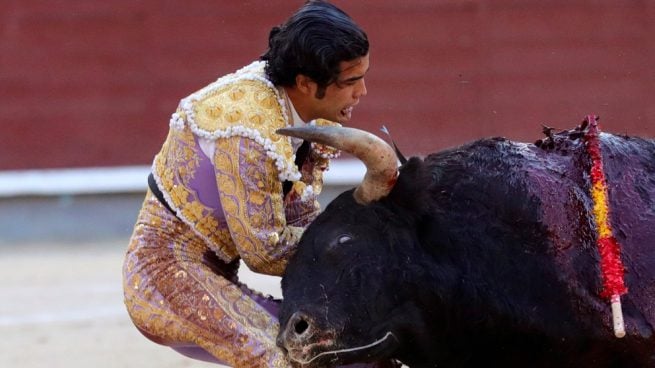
<point>91,83</point>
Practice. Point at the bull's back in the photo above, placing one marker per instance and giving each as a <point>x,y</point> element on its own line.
<point>560,179</point>
<point>541,212</point>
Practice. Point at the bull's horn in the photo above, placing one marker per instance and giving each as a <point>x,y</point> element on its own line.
<point>376,154</point>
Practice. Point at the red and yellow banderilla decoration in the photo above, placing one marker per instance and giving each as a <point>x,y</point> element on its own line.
<point>611,267</point>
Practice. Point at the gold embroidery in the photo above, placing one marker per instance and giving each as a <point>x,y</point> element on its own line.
<point>233,115</point>
<point>179,300</point>
<point>199,306</point>
<point>237,93</point>
<point>256,118</point>
<point>214,111</point>
<point>252,203</point>
<point>241,105</point>
<point>254,108</point>
<point>247,98</point>
<point>175,167</point>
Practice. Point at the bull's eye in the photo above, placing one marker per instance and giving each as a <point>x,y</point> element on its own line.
<point>342,239</point>
<point>337,241</point>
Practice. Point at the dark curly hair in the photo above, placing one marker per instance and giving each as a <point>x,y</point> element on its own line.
<point>313,42</point>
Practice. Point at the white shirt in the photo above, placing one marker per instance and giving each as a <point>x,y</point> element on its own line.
<point>296,121</point>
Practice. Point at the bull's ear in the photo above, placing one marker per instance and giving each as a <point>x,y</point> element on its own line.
<point>412,189</point>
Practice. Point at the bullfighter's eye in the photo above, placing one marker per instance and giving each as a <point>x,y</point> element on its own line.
<point>342,239</point>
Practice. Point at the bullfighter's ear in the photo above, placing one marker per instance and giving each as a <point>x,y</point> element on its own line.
<point>411,189</point>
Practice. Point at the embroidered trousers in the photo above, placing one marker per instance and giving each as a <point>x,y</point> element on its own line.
<point>179,294</point>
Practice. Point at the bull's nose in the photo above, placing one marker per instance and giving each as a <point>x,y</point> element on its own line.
<point>298,329</point>
<point>299,323</point>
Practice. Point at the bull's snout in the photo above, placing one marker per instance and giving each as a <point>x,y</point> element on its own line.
<point>297,331</point>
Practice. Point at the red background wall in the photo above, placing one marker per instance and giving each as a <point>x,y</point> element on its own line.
<point>93,83</point>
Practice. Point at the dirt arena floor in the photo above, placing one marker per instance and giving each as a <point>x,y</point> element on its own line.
<point>62,306</point>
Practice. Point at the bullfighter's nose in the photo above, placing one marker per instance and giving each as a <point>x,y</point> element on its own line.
<point>297,330</point>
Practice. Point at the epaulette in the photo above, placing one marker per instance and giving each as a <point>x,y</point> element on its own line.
<point>243,104</point>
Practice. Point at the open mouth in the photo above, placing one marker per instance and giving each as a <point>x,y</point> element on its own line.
<point>347,112</point>
<point>322,352</point>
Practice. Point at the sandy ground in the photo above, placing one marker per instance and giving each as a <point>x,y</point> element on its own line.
<point>62,306</point>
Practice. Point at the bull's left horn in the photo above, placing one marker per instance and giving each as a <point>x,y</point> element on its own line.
<point>379,158</point>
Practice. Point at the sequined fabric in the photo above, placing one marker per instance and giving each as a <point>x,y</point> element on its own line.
<point>221,170</point>
<point>178,295</point>
<point>238,115</point>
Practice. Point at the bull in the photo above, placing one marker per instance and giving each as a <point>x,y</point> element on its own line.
<point>480,255</point>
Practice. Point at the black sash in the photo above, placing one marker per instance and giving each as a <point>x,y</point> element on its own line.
<point>152,184</point>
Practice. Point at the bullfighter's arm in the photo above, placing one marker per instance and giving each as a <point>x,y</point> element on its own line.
<point>254,207</point>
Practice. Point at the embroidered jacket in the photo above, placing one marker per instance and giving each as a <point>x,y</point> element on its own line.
<point>222,169</point>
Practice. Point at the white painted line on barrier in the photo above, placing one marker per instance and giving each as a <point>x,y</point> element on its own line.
<point>125,179</point>
<point>73,181</point>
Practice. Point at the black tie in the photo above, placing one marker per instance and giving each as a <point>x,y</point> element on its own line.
<point>301,156</point>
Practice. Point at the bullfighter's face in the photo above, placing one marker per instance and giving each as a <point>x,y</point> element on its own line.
<point>341,96</point>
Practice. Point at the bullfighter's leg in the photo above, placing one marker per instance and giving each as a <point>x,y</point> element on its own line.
<point>181,296</point>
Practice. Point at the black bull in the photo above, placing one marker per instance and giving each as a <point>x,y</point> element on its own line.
<point>483,255</point>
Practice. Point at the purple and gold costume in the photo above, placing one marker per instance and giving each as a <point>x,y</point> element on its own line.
<point>221,171</point>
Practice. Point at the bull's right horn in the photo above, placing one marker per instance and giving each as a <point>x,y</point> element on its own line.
<point>379,158</point>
